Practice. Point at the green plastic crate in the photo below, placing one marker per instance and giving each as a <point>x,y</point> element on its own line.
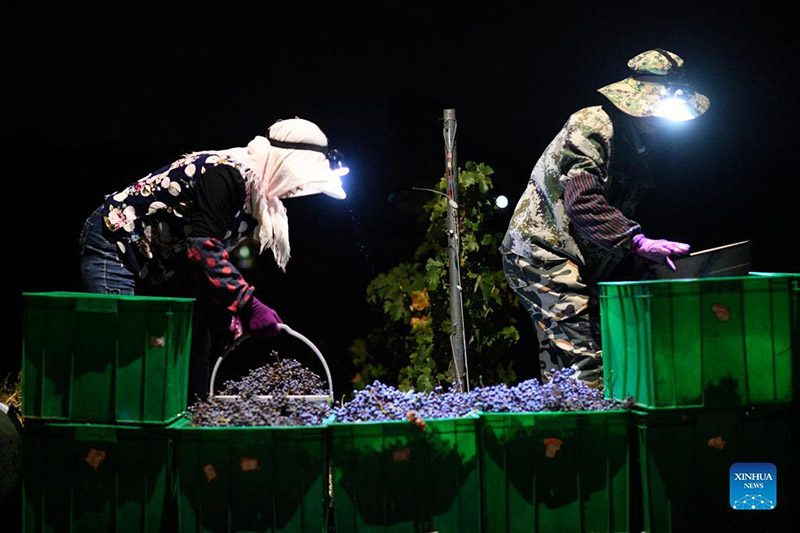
<point>251,478</point>
<point>96,478</point>
<point>685,457</point>
<point>395,476</point>
<point>722,342</point>
<point>774,274</point>
<point>556,471</point>
<point>105,359</point>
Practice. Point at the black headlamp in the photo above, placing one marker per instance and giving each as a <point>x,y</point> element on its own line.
<point>334,156</point>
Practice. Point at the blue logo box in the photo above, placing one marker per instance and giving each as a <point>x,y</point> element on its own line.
<point>754,486</point>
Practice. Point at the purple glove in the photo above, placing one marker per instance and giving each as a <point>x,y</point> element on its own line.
<point>658,250</point>
<point>260,320</point>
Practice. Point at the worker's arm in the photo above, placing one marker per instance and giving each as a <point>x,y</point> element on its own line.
<point>583,165</point>
<point>590,212</point>
<point>219,195</point>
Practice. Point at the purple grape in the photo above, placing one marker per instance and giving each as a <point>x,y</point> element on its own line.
<point>284,376</point>
<point>560,393</point>
<point>279,379</point>
<point>276,411</point>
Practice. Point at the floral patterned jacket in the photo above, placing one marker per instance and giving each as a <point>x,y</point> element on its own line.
<point>151,223</point>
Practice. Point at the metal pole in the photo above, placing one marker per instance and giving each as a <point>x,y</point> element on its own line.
<point>457,337</point>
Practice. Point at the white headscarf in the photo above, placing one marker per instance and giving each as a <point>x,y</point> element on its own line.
<point>276,173</point>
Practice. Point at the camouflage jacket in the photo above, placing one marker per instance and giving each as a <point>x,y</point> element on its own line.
<point>581,193</point>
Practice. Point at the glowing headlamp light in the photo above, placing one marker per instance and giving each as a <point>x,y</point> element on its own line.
<point>675,108</point>
<point>337,165</point>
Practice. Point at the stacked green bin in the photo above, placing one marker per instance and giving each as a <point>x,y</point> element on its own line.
<point>251,478</point>
<point>105,359</point>
<point>724,342</point>
<point>397,476</point>
<point>81,477</point>
<point>712,367</point>
<point>102,377</point>
<point>556,471</point>
<point>686,456</point>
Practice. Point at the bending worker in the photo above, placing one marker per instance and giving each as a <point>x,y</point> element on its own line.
<point>572,224</point>
<point>170,233</point>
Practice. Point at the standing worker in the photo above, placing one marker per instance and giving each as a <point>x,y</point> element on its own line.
<point>572,225</point>
<point>170,233</point>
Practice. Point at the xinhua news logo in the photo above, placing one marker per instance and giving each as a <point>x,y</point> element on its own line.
<point>754,486</point>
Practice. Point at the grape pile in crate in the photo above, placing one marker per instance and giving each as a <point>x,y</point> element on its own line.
<point>280,379</point>
<point>559,393</point>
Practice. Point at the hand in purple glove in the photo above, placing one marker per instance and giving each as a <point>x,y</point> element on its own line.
<point>658,250</point>
<point>260,320</point>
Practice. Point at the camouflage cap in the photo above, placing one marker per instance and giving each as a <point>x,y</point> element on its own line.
<point>655,79</point>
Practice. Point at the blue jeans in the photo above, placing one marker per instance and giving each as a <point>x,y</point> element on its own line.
<point>102,269</point>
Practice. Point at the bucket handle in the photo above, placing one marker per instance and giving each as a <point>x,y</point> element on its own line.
<point>282,328</point>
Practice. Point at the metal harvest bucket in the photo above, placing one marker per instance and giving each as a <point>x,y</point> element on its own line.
<point>284,329</point>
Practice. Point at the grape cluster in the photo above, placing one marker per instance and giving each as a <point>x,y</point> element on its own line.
<point>276,411</point>
<point>284,376</point>
<point>278,380</point>
<point>559,393</point>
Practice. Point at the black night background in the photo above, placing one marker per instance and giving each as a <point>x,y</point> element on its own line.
<point>97,98</point>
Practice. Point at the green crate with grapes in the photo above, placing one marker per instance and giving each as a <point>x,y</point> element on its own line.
<point>406,475</point>
<point>260,478</point>
<point>422,461</point>
<point>254,457</point>
<point>556,471</point>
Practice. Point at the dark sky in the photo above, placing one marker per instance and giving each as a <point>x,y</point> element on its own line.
<point>96,99</point>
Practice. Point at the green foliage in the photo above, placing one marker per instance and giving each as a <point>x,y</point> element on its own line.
<point>412,340</point>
